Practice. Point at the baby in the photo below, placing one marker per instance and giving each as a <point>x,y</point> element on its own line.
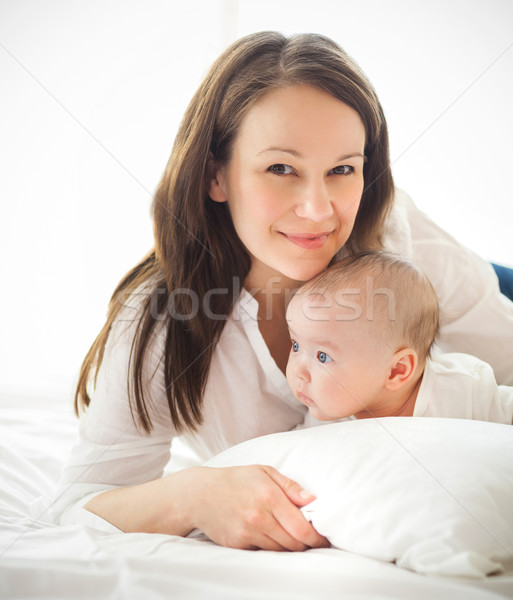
<point>363,334</point>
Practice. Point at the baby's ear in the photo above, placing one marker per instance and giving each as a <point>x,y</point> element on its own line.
<point>215,183</point>
<point>403,367</point>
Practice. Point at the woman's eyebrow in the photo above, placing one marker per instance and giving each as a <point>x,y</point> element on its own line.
<point>297,154</point>
<point>278,149</point>
<point>353,155</point>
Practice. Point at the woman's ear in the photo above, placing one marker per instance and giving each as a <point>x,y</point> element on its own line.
<point>404,365</point>
<point>216,188</point>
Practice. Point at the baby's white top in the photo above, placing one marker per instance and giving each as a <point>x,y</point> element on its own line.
<point>462,386</point>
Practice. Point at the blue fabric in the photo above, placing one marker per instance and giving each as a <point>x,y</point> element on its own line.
<point>505,276</point>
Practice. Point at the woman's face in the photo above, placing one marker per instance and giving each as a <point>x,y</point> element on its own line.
<point>294,182</point>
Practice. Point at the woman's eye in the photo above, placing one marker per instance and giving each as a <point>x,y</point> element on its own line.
<point>280,169</point>
<point>342,170</point>
<point>322,357</point>
<point>295,346</point>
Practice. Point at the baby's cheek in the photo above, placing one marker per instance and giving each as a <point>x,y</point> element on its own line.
<point>289,371</point>
<point>329,388</point>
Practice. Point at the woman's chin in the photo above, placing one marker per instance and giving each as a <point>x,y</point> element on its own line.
<point>305,272</point>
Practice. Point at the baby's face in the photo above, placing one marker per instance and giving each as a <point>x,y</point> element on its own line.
<point>338,360</point>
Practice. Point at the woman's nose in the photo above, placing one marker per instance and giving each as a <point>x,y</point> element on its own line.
<point>314,203</point>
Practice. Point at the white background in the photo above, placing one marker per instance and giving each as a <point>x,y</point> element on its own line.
<point>92,93</point>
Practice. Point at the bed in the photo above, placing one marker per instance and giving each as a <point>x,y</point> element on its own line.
<point>40,559</point>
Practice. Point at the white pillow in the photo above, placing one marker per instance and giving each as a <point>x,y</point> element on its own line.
<point>434,495</point>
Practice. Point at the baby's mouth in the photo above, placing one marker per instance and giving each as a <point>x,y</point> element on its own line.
<point>305,399</point>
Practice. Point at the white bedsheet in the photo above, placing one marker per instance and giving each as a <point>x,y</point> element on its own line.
<point>41,560</point>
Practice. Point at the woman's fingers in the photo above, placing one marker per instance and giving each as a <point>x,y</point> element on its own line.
<point>293,521</point>
<point>297,494</point>
<point>266,542</point>
<point>273,535</point>
<point>253,507</point>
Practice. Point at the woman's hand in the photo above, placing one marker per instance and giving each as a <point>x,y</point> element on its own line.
<point>241,507</point>
<point>251,507</point>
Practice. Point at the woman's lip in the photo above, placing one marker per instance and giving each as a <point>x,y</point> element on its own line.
<point>307,240</point>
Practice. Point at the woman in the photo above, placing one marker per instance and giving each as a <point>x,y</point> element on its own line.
<point>280,166</point>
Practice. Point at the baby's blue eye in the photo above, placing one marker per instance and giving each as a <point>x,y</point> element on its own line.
<point>322,357</point>
<point>295,346</point>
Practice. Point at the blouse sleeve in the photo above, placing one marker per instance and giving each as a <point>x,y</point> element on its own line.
<point>475,317</point>
<point>111,451</point>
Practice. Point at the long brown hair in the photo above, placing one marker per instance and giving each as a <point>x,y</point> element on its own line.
<point>196,246</point>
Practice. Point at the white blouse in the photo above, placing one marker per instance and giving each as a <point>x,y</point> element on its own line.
<point>246,393</point>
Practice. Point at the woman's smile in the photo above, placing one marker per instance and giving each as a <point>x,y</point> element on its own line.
<point>310,241</point>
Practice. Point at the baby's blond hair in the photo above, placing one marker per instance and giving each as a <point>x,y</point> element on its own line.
<point>413,313</point>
